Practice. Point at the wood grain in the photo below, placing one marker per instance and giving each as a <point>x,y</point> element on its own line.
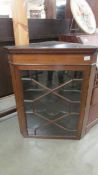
<point>67,58</point>
<point>20,23</point>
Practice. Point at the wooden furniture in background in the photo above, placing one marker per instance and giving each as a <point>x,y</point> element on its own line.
<point>58,108</point>
<point>50,9</point>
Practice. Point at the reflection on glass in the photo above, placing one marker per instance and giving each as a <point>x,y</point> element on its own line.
<point>52,101</point>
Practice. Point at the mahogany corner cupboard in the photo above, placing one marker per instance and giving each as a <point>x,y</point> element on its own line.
<point>53,84</point>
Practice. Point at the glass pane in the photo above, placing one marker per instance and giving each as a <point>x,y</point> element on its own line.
<point>52,102</point>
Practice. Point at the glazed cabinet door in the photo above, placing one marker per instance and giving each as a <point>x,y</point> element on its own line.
<point>53,100</point>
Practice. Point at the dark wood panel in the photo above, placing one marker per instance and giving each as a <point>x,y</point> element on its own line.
<point>38,28</point>
<point>5,77</point>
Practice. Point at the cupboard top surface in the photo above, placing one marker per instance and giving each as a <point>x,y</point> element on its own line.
<point>52,47</point>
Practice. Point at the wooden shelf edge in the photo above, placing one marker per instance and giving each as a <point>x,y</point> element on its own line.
<point>7,112</point>
<point>10,109</point>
